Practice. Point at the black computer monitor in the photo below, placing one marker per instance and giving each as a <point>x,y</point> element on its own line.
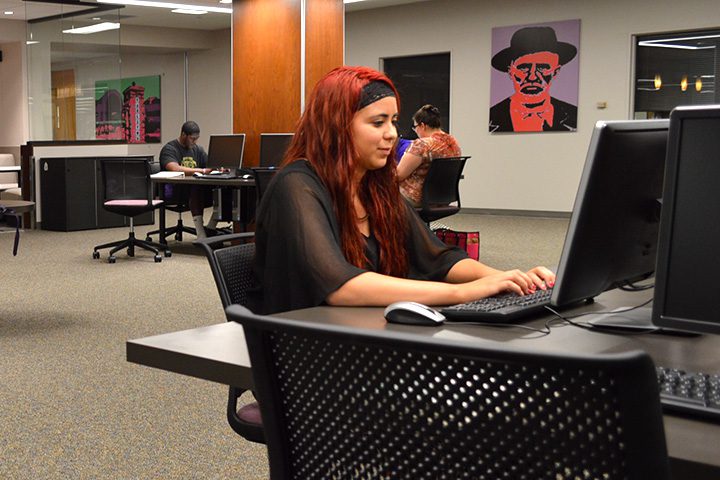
<point>612,236</point>
<point>273,147</point>
<point>226,151</point>
<point>688,258</point>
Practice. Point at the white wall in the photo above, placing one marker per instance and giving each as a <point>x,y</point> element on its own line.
<point>13,96</point>
<point>532,171</point>
<point>13,85</point>
<point>210,87</point>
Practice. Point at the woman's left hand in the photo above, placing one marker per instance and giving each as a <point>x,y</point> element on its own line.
<point>542,277</point>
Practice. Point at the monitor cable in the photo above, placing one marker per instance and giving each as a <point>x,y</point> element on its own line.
<point>570,320</point>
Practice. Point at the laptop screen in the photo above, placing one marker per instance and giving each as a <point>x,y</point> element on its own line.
<point>273,147</point>
<point>226,151</point>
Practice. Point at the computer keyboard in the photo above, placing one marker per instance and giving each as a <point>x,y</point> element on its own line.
<point>218,176</point>
<point>503,308</point>
<point>692,393</point>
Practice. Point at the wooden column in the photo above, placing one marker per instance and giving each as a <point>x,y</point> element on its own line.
<point>268,67</point>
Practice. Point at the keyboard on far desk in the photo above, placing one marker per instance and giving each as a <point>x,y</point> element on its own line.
<point>218,176</point>
<point>689,393</point>
<point>503,308</point>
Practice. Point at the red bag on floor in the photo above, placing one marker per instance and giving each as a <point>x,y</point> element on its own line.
<point>468,241</point>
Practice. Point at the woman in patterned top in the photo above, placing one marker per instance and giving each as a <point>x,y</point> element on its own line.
<point>432,143</point>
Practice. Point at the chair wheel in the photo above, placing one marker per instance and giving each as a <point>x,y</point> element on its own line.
<point>178,237</point>
<point>111,259</point>
<point>168,253</point>
<point>96,255</point>
<point>158,259</point>
<point>148,238</point>
<point>130,252</point>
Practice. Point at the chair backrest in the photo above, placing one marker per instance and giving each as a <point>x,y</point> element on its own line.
<point>340,402</point>
<point>127,179</point>
<point>8,160</point>
<point>231,265</point>
<point>442,182</point>
<point>262,179</point>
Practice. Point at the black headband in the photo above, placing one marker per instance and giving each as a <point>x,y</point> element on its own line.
<point>374,91</point>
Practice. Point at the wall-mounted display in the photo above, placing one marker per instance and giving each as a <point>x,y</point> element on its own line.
<point>534,77</point>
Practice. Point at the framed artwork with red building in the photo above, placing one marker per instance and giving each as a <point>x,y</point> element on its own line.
<point>128,109</point>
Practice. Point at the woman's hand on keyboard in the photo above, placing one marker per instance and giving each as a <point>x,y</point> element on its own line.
<point>542,277</point>
<point>515,281</point>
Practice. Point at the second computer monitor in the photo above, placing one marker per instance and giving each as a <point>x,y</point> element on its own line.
<point>226,151</point>
<point>688,259</point>
<point>273,147</point>
<point>613,232</point>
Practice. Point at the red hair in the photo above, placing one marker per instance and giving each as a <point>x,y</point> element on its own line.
<point>323,137</point>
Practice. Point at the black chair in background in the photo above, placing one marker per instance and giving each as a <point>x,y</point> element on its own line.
<point>231,266</point>
<point>441,190</point>
<point>262,179</point>
<point>178,206</point>
<point>342,402</point>
<point>128,192</point>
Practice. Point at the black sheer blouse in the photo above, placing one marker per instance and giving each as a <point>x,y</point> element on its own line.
<point>298,260</point>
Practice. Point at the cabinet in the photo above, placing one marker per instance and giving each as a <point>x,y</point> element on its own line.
<point>71,193</point>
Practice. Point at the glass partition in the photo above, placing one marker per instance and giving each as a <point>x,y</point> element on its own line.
<point>675,69</point>
<point>69,54</point>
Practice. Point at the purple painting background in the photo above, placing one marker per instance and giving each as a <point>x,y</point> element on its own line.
<point>564,86</point>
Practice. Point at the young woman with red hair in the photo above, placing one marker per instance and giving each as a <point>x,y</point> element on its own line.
<point>333,228</point>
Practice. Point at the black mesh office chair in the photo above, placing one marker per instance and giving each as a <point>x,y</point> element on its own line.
<point>340,402</point>
<point>231,265</point>
<point>262,180</point>
<point>441,189</point>
<point>178,206</point>
<point>128,191</point>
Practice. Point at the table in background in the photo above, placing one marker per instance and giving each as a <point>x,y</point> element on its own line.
<point>245,198</point>
<point>218,353</point>
<point>18,206</point>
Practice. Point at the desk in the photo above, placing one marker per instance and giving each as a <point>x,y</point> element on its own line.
<point>218,353</point>
<point>19,206</point>
<point>235,183</point>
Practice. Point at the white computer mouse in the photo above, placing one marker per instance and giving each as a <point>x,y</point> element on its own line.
<point>413,313</point>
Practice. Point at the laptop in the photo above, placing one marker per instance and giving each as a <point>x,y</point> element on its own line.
<point>225,153</point>
<point>272,148</point>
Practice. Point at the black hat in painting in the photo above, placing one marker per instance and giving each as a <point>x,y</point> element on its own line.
<point>533,40</point>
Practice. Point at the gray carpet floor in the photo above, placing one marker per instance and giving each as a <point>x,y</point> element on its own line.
<point>71,406</point>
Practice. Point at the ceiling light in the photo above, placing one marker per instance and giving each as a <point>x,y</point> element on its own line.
<point>31,42</point>
<point>352,1</point>
<point>8,12</point>
<point>189,12</point>
<point>171,6</point>
<point>98,27</point>
<point>225,1</point>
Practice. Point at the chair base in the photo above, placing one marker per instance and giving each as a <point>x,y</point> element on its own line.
<point>177,230</point>
<point>130,243</point>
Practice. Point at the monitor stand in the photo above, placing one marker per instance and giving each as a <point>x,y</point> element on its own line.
<point>637,320</point>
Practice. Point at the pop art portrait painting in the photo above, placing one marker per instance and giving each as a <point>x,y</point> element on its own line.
<point>534,77</point>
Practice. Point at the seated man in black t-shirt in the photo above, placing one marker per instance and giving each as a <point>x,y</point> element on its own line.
<point>184,155</point>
